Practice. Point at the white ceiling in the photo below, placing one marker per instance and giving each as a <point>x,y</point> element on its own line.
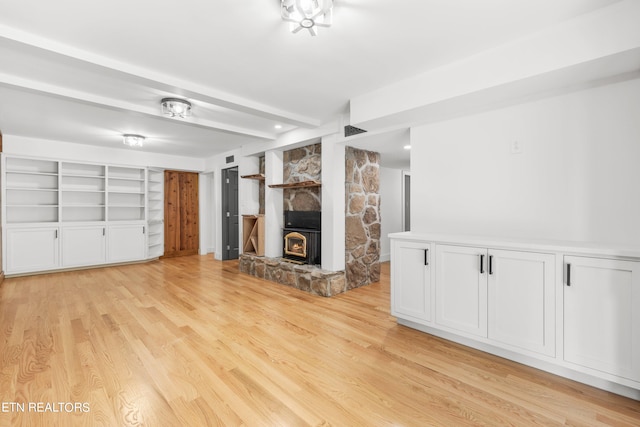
<point>86,72</point>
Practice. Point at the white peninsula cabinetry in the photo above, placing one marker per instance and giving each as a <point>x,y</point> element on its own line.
<point>569,309</point>
<point>59,214</point>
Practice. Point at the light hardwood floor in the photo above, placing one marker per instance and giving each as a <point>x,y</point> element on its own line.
<point>189,341</point>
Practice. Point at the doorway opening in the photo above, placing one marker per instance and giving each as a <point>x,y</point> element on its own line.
<point>406,201</point>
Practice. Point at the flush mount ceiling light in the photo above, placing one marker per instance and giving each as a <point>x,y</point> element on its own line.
<point>176,107</point>
<point>133,140</point>
<point>307,14</point>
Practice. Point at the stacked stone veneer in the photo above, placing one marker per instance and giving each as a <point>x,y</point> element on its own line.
<point>302,164</point>
<point>362,226</point>
<point>307,278</point>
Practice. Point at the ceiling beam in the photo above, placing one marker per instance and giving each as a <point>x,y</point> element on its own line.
<point>567,55</point>
<point>157,80</point>
<point>114,104</point>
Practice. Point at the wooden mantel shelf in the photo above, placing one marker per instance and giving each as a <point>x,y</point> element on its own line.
<point>301,184</point>
<point>258,176</point>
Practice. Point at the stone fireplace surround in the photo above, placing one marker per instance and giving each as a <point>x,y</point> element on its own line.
<point>362,220</point>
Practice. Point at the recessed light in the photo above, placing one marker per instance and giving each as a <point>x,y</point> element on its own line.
<point>278,126</point>
<point>407,147</point>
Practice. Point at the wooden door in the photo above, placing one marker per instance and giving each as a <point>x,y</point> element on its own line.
<point>181,222</point>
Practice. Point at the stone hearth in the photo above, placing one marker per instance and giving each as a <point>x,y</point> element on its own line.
<point>307,278</point>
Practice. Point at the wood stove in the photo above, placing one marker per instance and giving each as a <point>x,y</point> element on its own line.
<point>301,236</point>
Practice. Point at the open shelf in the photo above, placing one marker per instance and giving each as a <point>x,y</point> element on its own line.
<point>31,190</point>
<point>30,214</point>
<point>300,184</point>
<point>82,170</point>
<point>126,173</point>
<point>258,176</point>
<point>86,213</point>
<point>32,166</point>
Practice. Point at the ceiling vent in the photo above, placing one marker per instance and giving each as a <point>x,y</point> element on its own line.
<point>352,130</point>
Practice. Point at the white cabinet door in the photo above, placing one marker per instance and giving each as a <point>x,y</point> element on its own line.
<point>411,281</point>
<point>126,242</point>
<point>602,315</point>
<point>83,245</point>
<point>521,300</point>
<point>32,249</point>
<point>461,288</point>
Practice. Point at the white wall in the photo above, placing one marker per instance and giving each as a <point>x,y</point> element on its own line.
<point>333,204</point>
<point>273,203</point>
<point>390,208</point>
<point>576,179</point>
<point>247,194</point>
<point>206,199</point>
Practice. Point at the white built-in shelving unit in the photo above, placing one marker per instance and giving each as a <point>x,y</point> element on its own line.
<point>63,214</point>
<point>31,191</point>
<point>126,194</point>
<point>82,192</point>
<point>155,212</point>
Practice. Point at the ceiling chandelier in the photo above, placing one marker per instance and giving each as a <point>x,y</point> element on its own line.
<point>307,14</point>
<point>133,140</point>
<point>176,107</point>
